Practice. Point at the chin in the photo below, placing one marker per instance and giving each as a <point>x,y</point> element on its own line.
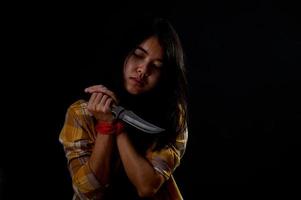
<point>134,91</point>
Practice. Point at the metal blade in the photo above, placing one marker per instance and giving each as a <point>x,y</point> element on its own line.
<point>134,120</point>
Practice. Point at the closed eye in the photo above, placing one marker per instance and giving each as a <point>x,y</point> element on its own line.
<point>138,53</point>
<point>157,66</point>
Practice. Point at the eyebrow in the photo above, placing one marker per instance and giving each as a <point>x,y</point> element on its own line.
<point>140,48</point>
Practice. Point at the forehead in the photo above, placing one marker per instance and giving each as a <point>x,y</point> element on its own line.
<point>153,47</point>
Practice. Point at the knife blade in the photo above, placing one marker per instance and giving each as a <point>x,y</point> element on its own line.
<point>131,118</point>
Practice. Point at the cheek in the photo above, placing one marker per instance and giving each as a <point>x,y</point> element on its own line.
<point>154,80</point>
<point>128,67</point>
<point>126,70</point>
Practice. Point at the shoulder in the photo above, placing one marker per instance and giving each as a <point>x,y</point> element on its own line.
<point>78,123</point>
<point>79,109</point>
<point>77,113</point>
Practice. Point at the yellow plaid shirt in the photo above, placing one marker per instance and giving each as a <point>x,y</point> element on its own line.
<point>78,136</point>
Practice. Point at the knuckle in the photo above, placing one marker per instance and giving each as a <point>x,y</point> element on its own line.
<point>98,108</point>
<point>100,95</point>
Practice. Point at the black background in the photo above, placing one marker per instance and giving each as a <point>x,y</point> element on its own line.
<point>244,84</point>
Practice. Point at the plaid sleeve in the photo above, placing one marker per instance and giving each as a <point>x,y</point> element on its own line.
<point>78,143</point>
<point>167,159</point>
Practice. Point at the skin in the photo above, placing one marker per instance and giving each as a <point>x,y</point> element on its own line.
<point>142,71</point>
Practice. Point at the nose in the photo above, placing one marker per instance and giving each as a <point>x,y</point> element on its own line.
<point>143,70</point>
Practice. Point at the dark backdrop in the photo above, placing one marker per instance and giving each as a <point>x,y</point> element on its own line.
<point>244,84</point>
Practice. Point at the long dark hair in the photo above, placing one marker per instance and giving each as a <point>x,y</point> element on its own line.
<point>166,105</point>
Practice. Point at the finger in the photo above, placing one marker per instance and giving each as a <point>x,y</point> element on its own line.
<point>100,105</point>
<point>92,98</point>
<point>94,88</point>
<point>111,94</point>
<point>103,89</point>
<point>103,100</point>
<point>97,100</point>
<point>91,101</point>
<point>107,106</point>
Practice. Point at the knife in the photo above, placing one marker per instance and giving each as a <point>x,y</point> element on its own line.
<point>131,118</point>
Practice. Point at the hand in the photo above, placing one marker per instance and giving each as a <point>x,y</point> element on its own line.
<point>102,89</point>
<point>100,102</point>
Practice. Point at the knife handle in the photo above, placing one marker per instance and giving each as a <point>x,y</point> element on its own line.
<point>117,110</point>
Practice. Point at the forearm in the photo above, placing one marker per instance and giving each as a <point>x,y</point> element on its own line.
<point>140,172</point>
<point>90,172</point>
<point>100,159</point>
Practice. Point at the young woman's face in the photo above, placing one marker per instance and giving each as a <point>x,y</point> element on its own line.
<point>142,68</point>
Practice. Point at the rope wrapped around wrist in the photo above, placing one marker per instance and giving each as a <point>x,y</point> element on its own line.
<point>109,128</point>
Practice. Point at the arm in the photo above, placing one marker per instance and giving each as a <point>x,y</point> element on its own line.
<point>99,105</point>
<point>77,138</point>
<point>100,160</point>
<point>148,174</point>
<point>90,169</point>
<point>139,170</point>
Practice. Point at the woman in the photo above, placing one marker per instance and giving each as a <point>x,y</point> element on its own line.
<point>108,159</point>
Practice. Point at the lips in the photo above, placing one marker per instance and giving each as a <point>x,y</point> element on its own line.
<point>138,81</point>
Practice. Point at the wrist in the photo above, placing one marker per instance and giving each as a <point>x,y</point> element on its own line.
<point>109,127</point>
<point>105,118</point>
<point>105,127</point>
<point>119,127</point>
